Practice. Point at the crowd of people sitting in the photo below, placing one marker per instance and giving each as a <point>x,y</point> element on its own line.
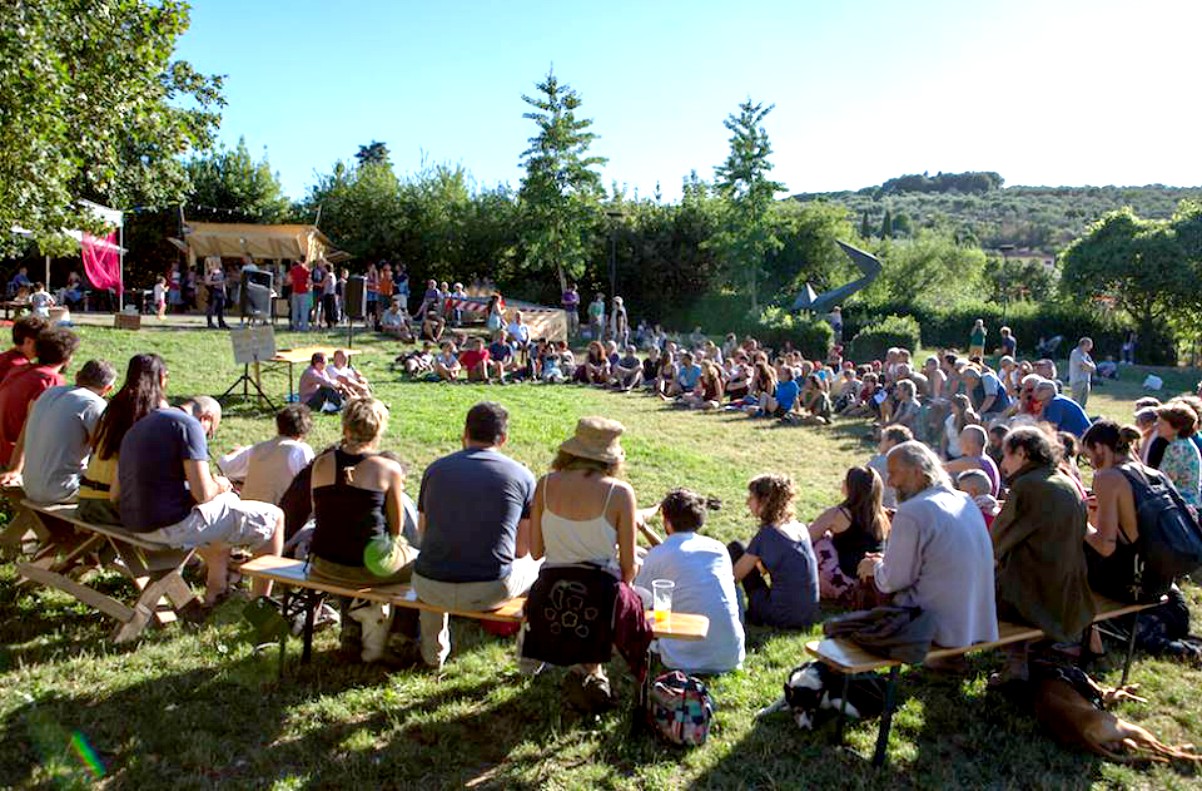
<point>972,508</point>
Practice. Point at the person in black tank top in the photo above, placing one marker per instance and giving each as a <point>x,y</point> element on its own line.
<point>844,533</point>
<point>357,507</point>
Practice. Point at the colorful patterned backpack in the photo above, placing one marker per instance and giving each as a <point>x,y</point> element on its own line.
<point>680,709</point>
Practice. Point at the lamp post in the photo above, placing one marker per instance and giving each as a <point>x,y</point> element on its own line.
<point>615,215</point>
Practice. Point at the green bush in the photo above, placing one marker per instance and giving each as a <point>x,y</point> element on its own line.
<point>810,336</point>
<point>874,340</point>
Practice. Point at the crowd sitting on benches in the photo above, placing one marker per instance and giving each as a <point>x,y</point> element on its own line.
<point>1021,538</point>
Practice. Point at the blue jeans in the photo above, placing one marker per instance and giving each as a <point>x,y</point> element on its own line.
<point>301,303</point>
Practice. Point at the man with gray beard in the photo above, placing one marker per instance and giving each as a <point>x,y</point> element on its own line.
<point>939,556</point>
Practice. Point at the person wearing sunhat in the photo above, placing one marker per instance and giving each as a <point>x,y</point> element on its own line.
<point>584,521</point>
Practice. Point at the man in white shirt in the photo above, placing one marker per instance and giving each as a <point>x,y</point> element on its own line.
<point>348,377</point>
<point>939,556</point>
<point>1080,371</point>
<point>56,434</point>
<point>275,462</point>
<point>704,581</point>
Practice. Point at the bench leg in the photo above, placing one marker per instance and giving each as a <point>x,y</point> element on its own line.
<point>1130,648</point>
<point>882,737</point>
<point>841,722</point>
<point>311,604</point>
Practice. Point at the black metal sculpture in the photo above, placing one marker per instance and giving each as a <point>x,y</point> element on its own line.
<point>869,264</point>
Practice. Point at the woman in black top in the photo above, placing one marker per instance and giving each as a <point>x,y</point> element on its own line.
<point>359,513</point>
<point>843,534</point>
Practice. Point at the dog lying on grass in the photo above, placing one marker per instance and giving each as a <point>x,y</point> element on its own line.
<point>1068,704</point>
<point>813,688</point>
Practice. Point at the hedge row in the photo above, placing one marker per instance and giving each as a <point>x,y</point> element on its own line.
<point>872,342</point>
<point>949,327</point>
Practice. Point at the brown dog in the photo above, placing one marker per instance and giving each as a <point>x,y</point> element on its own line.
<point>1076,722</point>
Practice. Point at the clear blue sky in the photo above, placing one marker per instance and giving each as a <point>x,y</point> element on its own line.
<point>1042,91</point>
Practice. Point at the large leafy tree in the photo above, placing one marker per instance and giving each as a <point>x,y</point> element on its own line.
<point>229,186</point>
<point>374,153</point>
<point>93,106</point>
<point>560,191</point>
<point>1135,263</point>
<point>742,182</point>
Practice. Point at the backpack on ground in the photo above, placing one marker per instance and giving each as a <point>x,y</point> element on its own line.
<point>1170,540</point>
<point>680,709</point>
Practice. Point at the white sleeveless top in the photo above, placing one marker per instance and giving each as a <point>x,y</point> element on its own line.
<point>570,541</point>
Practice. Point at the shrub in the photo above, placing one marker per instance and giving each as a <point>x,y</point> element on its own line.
<point>872,342</point>
<point>809,335</point>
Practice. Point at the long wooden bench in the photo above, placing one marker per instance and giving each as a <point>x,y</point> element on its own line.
<point>22,528</point>
<point>294,573</point>
<point>849,659</point>
<point>69,548</point>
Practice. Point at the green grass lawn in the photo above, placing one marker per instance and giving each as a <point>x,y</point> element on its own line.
<point>194,709</point>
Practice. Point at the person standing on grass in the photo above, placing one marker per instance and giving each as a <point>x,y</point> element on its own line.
<point>52,451</point>
<point>596,317</point>
<point>571,306</point>
<point>1009,344</point>
<point>55,347</point>
<point>474,511</point>
<point>1081,368</point>
<point>939,556</point>
<point>215,285</point>
<point>24,349</point>
<point>159,295</point>
<point>168,495</point>
<point>782,546</point>
<point>302,297</point>
<point>976,339</point>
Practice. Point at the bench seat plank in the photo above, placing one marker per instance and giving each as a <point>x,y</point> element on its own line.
<point>847,656</point>
<point>69,513</point>
<point>289,571</point>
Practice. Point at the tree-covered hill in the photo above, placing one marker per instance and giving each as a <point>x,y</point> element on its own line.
<point>976,207</point>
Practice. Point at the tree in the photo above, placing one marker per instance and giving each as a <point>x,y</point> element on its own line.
<point>742,182</point>
<point>374,153</point>
<point>865,227</point>
<point>361,209</point>
<point>1137,264</point>
<point>887,225</point>
<point>94,107</point>
<point>560,192</point>
<point>229,186</point>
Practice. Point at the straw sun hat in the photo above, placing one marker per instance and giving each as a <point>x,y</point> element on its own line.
<point>597,438</point>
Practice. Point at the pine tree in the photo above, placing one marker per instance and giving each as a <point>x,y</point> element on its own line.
<point>743,184</point>
<point>887,225</point>
<point>560,192</point>
<point>865,228</point>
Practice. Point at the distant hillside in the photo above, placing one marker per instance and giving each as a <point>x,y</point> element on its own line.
<point>976,206</point>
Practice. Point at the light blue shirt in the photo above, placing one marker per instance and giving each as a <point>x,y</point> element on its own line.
<point>705,585</point>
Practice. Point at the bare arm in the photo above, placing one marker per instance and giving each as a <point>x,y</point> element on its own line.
<point>627,516</point>
<point>1103,537</point>
<point>201,483</point>
<point>746,565</point>
<point>537,548</point>
<point>832,519</point>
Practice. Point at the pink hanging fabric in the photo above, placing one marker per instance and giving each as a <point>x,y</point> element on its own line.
<point>102,262</point>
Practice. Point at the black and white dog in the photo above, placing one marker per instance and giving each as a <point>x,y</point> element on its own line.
<point>813,687</point>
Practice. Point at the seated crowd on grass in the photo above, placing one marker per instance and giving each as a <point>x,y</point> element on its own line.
<point>972,509</point>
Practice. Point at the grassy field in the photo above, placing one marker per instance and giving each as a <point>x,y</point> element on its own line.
<point>198,709</point>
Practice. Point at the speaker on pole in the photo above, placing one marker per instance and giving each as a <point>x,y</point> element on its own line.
<point>254,297</point>
<point>354,297</point>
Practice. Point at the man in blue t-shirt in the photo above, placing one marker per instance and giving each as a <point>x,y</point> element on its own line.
<point>166,492</point>
<point>687,375</point>
<point>1061,411</point>
<point>473,516</point>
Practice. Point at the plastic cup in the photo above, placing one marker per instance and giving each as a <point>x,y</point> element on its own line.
<point>661,593</point>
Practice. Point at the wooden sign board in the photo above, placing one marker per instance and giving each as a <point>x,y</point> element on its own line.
<point>253,344</point>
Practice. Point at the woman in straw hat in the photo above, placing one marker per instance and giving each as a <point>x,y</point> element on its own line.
<point>585,516</point>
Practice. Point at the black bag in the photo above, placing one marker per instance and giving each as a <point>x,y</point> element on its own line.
<point>1170,540</point>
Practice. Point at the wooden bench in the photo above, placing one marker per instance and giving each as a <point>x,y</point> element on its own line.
<point>22,528</point>
<point>294,573</point>
<point>849,659</point>
<point>70,548</point>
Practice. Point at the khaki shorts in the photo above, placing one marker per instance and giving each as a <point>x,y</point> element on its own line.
<point>226,519</point>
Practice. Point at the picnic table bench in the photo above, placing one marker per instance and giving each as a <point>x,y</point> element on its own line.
<point>68,548</point>
<point>295,573</point>
<point>849,659</point>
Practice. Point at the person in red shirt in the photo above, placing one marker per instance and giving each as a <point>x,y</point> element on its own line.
<point>25,333</point>
<point>302,298</point>
<point>19,390</point>
<point>475,360</point>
